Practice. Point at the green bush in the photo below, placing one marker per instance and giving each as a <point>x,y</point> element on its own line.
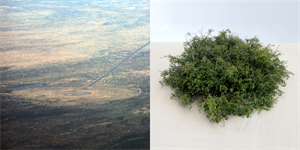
<point>226,75</point>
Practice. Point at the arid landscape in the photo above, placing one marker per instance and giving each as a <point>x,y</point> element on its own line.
<point>67,45</point>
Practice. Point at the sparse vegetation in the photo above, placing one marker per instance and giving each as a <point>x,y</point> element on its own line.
<point>67,45</point>
<point>96,125</point>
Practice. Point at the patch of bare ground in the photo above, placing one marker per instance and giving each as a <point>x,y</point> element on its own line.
<point>24,59</point>
<point>56,96</point>
<point>143,72</point>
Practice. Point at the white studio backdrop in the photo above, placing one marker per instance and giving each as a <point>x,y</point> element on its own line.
<point>173,126</point>
<point>273,21</point>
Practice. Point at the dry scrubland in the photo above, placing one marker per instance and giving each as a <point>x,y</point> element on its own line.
<point>65,44</point>
<point>68,45</point>
<point>62,96</point>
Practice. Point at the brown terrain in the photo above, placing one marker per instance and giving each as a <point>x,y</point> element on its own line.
<point>67,46</point>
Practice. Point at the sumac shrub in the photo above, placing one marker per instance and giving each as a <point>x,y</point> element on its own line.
<point>226,75</point>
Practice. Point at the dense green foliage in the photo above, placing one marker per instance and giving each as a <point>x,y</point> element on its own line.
<point>226,75</point>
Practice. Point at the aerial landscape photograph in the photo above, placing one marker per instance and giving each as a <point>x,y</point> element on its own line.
<point>75,74</point>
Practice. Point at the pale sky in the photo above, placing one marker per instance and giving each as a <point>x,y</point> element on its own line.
<point>271,21</point>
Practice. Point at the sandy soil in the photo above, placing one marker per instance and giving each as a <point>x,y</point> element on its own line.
<point>53,95</point>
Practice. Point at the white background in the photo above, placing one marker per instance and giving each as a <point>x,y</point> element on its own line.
<point>273,21</point>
